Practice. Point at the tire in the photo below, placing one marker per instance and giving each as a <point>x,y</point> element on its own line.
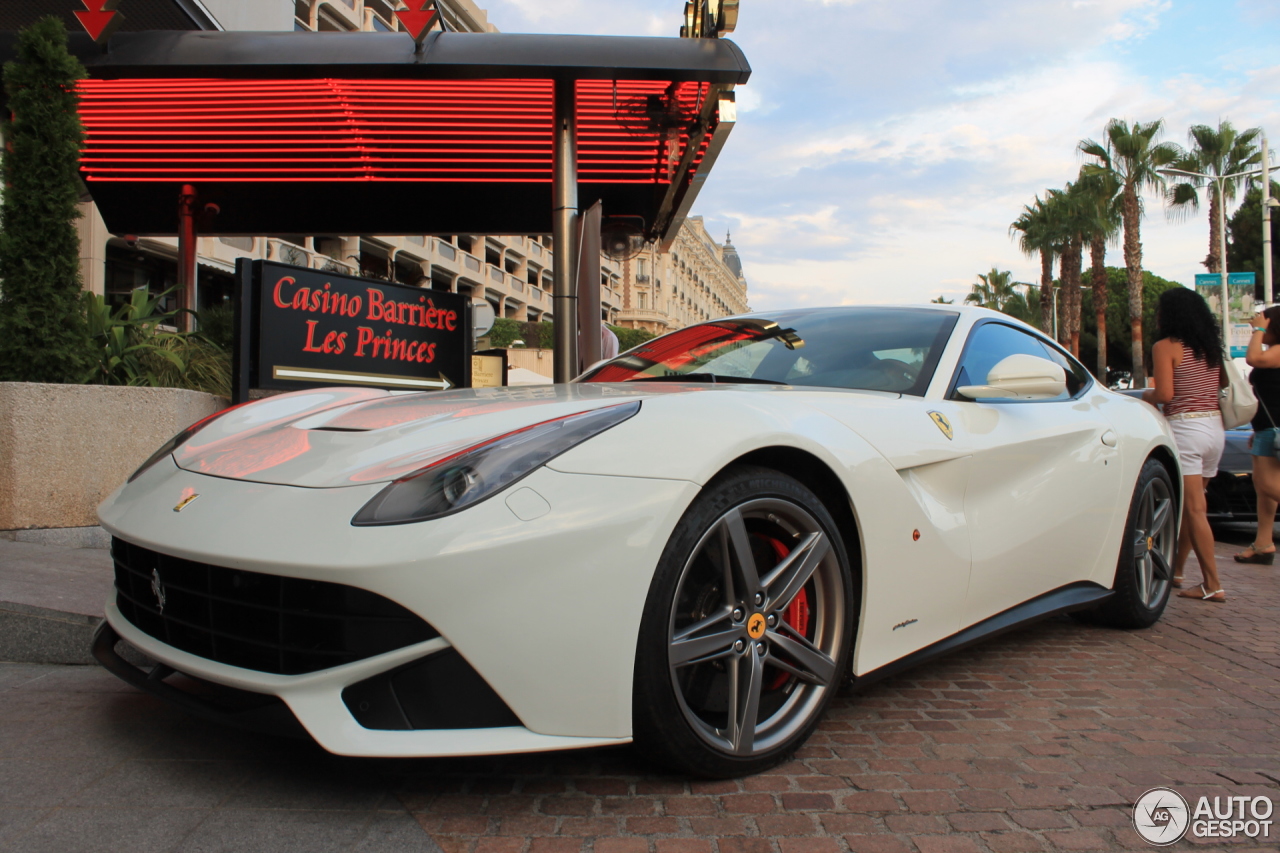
<point>1144,571</point>
<point>736,663</point>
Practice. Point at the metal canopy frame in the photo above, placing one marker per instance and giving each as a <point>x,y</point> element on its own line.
<point>152,95</point>
<point>182,130</point>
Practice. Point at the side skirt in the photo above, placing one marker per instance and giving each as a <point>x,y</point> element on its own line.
<point>1076,596</point>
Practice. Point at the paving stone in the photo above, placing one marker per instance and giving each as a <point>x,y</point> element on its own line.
<point>110,830</point>
<point>1036,742</point>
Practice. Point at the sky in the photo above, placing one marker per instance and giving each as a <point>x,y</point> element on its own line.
<point>884,146</point>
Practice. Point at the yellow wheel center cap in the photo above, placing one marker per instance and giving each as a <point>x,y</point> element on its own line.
<point>1151,543</point>
<point>755,626</point>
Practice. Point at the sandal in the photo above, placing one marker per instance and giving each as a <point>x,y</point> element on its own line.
<point>1176,583</point>
<point>1204,595</point>
<point>1253,555</point>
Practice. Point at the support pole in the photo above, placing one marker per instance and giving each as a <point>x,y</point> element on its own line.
<point>564,206</point>
<point>1266,223</point>
<point>1222,253</point>
<point>187,256</point>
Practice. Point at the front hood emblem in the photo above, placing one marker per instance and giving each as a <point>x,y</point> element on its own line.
<point>187,497</point>
<point>157,589</point>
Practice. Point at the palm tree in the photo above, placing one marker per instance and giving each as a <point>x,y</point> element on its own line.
<point>942,300</point>
<point>993,290</point>
<point>1221,152</point>
<point>1024,306</point>
<point>1038,234</point>
<point>1069,215</point>
<point>1101,209</point>
<point>1132,158</point>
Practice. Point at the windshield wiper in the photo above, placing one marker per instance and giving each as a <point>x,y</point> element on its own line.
<point>713,378</point>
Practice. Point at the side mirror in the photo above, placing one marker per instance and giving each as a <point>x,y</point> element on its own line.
<point>1020,377</point>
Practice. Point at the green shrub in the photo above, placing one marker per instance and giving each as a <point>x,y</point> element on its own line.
<point>628,338</point>
<point>132,348</point>
<point>217,325</point>
<point>43,335</point>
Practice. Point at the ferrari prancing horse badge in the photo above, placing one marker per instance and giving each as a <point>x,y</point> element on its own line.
<point>942,422</point>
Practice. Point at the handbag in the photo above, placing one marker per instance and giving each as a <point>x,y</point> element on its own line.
<point>1236,398</point>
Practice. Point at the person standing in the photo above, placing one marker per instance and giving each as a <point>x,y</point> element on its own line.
<point>1187,362</point>
<point>1265,379</point>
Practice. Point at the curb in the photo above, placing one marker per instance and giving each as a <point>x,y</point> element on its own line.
<point>39,635</point>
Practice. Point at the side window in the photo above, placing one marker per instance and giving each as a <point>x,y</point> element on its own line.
<point>1078,375</point>
<point>991,343</point>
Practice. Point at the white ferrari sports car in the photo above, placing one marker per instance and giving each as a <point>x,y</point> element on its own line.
<point>693,546</point>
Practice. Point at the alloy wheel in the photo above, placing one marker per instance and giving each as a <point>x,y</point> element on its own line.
<point>756,627</point>
<point>1155,540</point>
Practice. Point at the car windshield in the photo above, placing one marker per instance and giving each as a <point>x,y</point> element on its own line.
<point>874,349</point>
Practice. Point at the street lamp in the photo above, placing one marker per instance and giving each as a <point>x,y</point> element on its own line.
<point>1222,234</point>
<point>1267,203</point>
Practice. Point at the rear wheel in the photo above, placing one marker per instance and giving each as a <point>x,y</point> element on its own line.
<point>1144,572</point>
<point>746,633</point>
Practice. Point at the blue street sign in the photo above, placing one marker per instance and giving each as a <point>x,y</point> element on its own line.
<point>1234,279</point>
<point>1240,295</point>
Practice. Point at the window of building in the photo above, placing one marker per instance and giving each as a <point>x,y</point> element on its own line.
<point>244,244</point>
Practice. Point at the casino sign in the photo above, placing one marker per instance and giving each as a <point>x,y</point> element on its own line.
<point>303,328</point>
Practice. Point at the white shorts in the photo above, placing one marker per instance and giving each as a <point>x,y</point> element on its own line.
<point>1200,442</point>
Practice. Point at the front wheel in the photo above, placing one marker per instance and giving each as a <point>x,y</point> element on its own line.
<point>1144,571</point>
<point>747,630</point>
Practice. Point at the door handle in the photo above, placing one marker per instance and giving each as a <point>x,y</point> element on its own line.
<point>1109,438</point>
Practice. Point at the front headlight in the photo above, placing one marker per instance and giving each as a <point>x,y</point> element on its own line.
<point>469,476</point>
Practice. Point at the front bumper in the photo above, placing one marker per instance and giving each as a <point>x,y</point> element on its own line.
<point>546,610</point>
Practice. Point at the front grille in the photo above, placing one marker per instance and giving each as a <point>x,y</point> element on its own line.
<point>268,623</point>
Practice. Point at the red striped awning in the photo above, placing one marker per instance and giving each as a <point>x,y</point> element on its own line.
<point>329,130</point>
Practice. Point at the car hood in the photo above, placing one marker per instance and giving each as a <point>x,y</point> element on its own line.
<point>335,437</point>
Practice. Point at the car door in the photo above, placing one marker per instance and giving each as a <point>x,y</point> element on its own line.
<point>1042,479</point>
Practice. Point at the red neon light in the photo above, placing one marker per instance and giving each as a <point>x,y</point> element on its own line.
<point>370,130</point>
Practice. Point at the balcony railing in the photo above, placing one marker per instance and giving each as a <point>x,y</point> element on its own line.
<point>495,274</point>
<point>446,250</point>
<point>471,262</point>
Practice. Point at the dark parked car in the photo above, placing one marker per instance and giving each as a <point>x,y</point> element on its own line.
<point>1230,494</point>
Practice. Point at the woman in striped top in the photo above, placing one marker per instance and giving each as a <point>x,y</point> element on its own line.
<point>1187,361</point>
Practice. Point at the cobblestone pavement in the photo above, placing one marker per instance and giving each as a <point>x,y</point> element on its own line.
<point>1037,741</point>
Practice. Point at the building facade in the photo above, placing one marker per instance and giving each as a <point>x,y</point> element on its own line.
<point>696,280</point>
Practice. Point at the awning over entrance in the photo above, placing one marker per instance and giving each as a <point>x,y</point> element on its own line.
<point>356,133</point>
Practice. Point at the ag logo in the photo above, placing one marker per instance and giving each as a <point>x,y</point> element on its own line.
<point>755,626</point>
<point>943,424</point>
<point>1161,816</point>
<point>188,495</point>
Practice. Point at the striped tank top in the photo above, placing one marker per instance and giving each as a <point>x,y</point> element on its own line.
<point>1195,386</point>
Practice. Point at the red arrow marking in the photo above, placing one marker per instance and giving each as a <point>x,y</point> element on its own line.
<point>96,24</point>
<point>99,21</point>
<point>417,23</point>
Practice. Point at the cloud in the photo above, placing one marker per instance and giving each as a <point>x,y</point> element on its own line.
<point>884,146</point>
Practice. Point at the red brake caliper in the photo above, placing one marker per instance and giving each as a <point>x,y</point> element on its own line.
<point>797,613</point>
